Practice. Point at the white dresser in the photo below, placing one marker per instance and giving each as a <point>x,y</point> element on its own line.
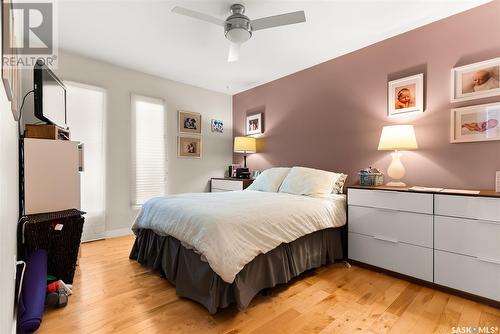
<point>228,184</point>
<point>449,240</point>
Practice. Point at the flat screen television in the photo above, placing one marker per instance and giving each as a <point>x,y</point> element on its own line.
<point>50,96</point>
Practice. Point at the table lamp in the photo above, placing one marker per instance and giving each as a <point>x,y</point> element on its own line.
<point>244,145</point>
<point>397,137</point>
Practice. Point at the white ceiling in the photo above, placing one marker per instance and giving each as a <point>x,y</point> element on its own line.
<point>146,36</point>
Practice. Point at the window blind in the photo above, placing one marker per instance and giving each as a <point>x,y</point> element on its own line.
<point>149,149</point>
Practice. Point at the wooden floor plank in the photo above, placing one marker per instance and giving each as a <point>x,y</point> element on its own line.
<point>113,294</point>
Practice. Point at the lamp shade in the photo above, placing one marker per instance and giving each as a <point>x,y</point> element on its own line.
<point>245,145</point>
<point>397,137</point>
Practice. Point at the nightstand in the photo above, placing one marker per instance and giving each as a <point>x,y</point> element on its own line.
<point>228,184</point>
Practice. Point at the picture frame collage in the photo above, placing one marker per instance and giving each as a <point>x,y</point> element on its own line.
<point>480,122</point>
<point>189,144</point>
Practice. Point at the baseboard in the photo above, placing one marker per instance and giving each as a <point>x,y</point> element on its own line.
<point>118,233</point>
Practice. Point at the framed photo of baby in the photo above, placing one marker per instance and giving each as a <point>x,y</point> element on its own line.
<point>475,123</point>
<point>406,95</point>
<point>476,80</point>
<point>189,147</point>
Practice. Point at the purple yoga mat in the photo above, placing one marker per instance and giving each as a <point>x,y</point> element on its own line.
<point>32,302</point>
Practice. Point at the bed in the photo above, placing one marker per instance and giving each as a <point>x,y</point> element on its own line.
<point>223,248</point>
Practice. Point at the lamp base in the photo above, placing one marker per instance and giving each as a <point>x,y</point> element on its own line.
<point>395,184</point>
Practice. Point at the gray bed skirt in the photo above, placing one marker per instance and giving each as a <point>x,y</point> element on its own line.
<point>194,279</point>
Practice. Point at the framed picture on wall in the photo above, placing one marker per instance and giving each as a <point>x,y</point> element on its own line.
<point>406,95</point>
<point>254,124</point>
<point>475,123</point>
<point>475,81</point>
<point>217,126</point>
<point>189,147</point>
<point>189,122</point>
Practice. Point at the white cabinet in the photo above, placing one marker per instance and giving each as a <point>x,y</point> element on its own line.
<point>451,240</point>
<point>51,175</point>
<point>391,230</point>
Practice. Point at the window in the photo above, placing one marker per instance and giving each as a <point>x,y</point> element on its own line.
<point>86,119</point>
<point>149,149</point>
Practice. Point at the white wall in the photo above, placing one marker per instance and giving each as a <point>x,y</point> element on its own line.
<point>184,175</point>
<point>9,194</point>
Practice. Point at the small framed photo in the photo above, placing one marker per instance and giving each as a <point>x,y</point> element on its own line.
<point>188,147</point>
<point>475,81</point>
<point>217,126</point>
<point>406,95</point>
<point>475,123</point>
<point>189,122</point>
<point>254,124</point>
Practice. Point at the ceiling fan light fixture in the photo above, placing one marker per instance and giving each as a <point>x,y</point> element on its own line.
<point>238,35</point>
<point>238,27</point>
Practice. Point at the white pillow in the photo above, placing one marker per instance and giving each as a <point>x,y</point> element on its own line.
<point>308,181</point>
<point>270,179</point>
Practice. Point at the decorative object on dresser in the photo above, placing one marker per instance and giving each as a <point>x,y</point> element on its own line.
<point>244,145</point>
<point>397,137</point>
<point>406,95</point>
<point>254,124</point>
<point>475,123</point>
<point>189,122</point>
<point>445,239</point>
<point>371,177</point>
<point>232,170</point>
<point>228,184</point>
<point>475,81</point>
<point>189,147</point>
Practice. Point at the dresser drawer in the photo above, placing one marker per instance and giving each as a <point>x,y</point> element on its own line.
<point>395,200</point>
<point>402,258</point>
<point>466,273</point>
<point>226,185</point>
<point>484,208</point>
<point>467,236</point>
<point>407,227</point>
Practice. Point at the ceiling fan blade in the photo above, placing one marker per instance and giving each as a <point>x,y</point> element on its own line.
<point>278,20</point>
<point>234,52</point>
<point>198,15</point>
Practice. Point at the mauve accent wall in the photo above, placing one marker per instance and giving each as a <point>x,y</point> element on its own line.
<point>330,116</point>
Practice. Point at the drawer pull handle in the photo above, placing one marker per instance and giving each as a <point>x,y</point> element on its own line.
<point>394,241</point>
<point>483,259</point>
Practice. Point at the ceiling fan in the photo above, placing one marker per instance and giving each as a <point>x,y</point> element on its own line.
<point>238,27</point>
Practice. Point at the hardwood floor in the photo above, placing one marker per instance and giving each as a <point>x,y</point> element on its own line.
<point>113,294</point>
